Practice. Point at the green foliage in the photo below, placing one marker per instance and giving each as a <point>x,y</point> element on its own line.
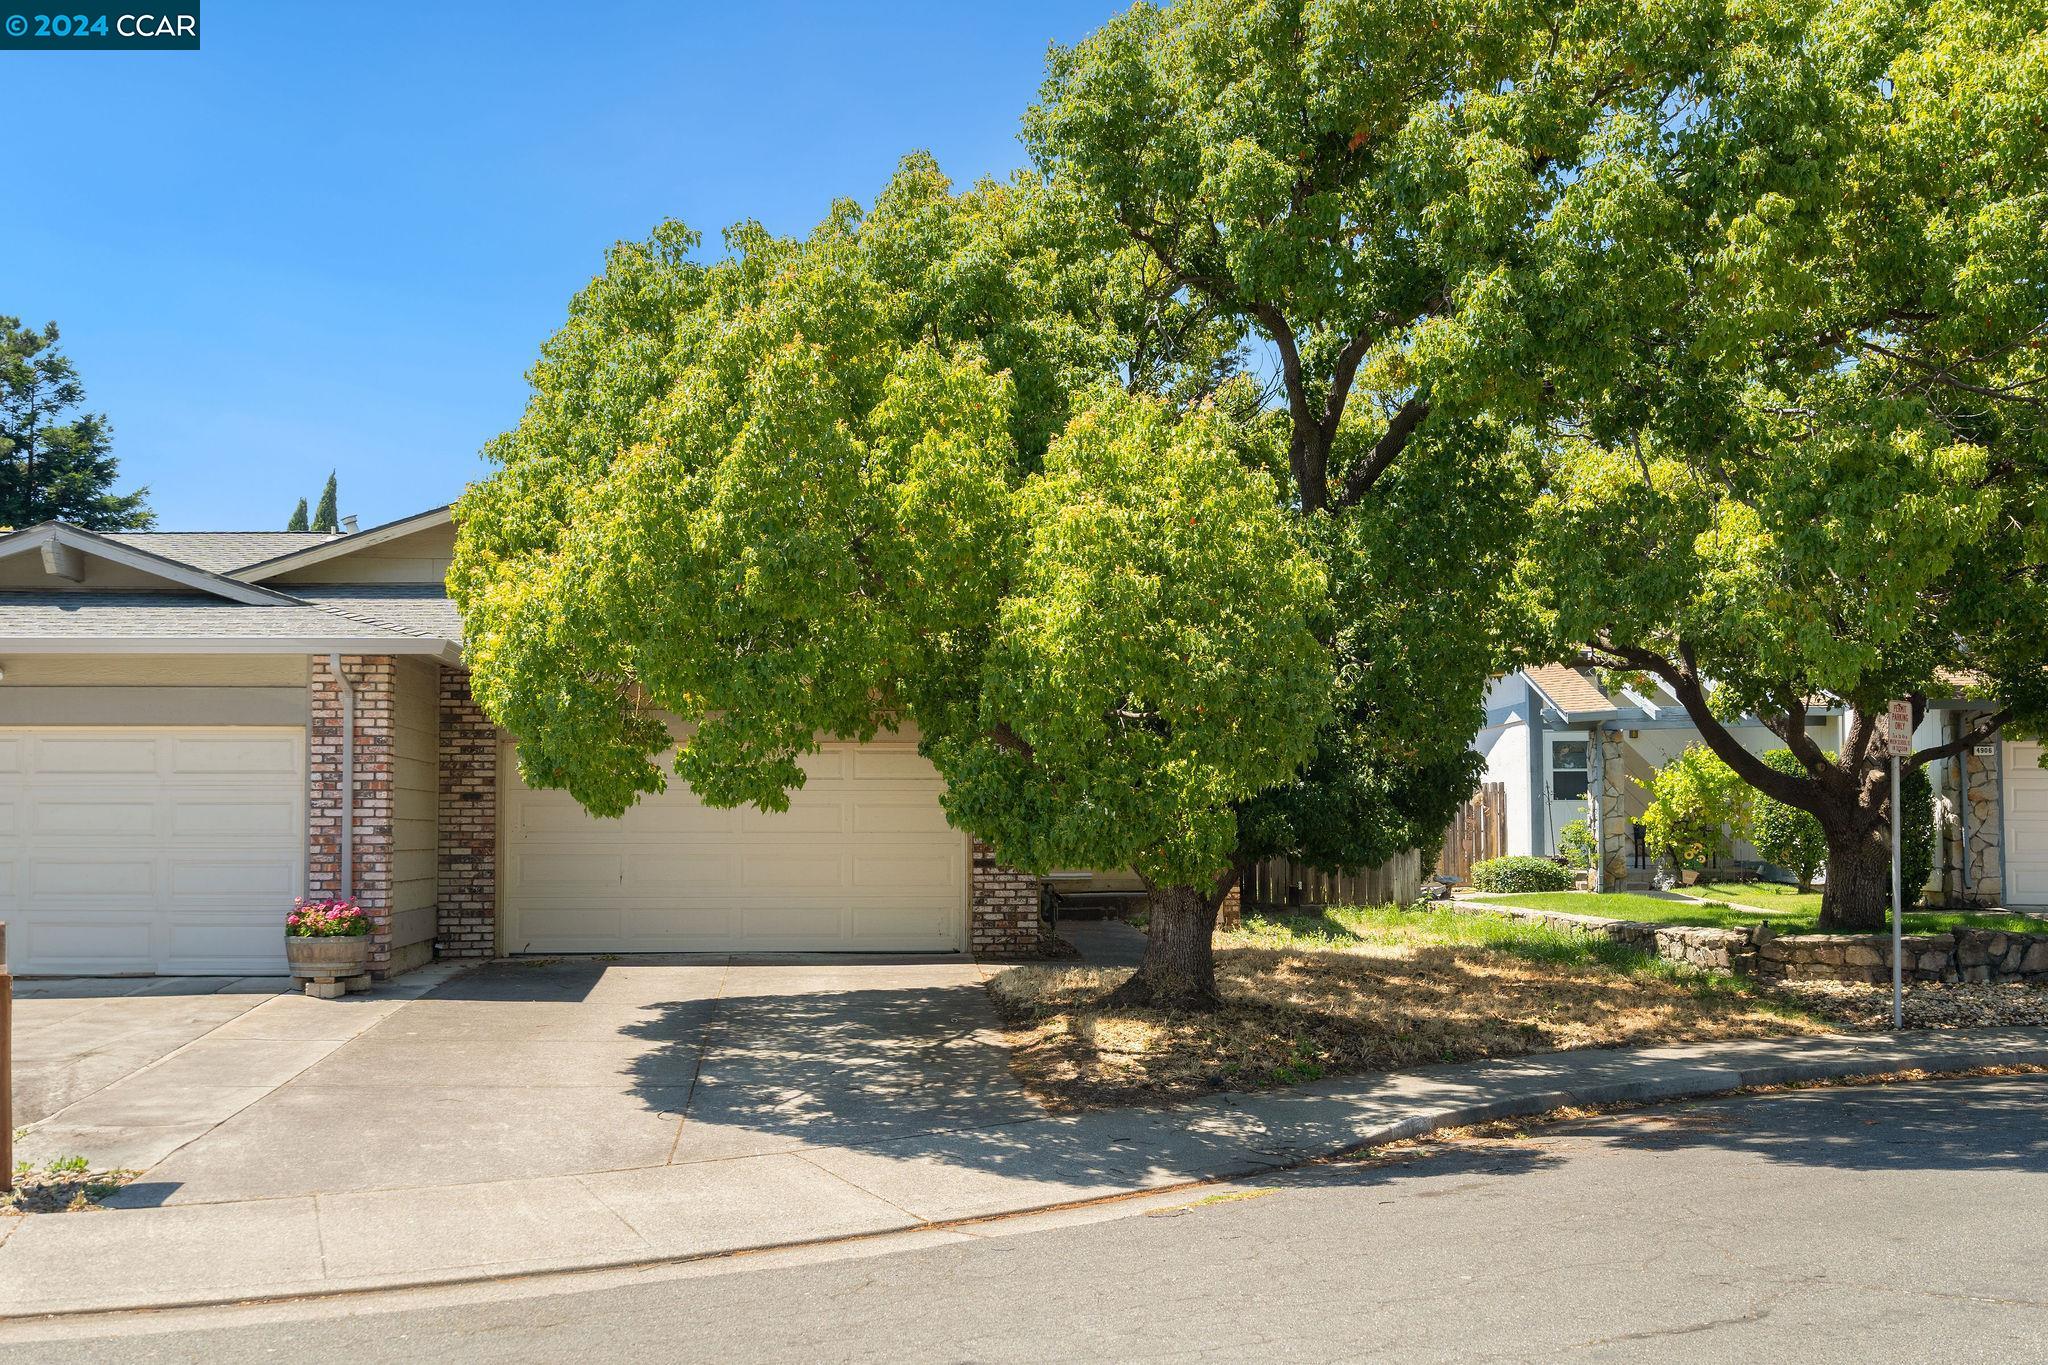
<point>1696,804</point>
<point>791,494</point>
<point>298,520</point>
<point>1796,325</point>
<point>1577,844</point>
<point>1786,835</point>
<point>327,514</point>
<point>56,462</point>
<point>1520,874</point>
<point>1916,832</point>
<point>1153,662</point>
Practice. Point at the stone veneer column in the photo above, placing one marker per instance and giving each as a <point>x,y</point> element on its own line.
<point>1003,919</point>
<point>1983,811</point>
<point>1611,812</point>
<point>467,879</point>
<point>373,677</point>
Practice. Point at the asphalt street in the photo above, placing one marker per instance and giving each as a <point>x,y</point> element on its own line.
<point>1855,1224</point>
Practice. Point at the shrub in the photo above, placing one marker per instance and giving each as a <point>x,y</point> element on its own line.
<point>1916,832</point>
<point>326,919</point>
<point>1787,835</point>
<point>1520,874</point>
<point>1696,800</point>
<point>1575,842</point>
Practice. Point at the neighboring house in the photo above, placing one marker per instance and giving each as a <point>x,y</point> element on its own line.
<point>173,772</point>
<point>1564,749</point>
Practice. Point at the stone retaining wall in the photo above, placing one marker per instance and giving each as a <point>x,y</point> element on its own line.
<point>1973,955</point>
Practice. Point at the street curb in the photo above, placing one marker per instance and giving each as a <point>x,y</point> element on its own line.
<point>1688,1079</point>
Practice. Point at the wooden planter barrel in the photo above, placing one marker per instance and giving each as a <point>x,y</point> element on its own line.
<point>330,967</point>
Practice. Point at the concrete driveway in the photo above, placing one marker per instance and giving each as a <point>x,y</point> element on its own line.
<point>75,1036</point>
<point>522,1071</point>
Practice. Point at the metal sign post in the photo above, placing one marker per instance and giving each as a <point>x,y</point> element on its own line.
<point>6,1068</point>
<point>1898,737</point>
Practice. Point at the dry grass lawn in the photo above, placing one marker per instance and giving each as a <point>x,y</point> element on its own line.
<point>1353,991</point>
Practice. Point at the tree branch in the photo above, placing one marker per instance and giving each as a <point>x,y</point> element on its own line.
<point>1400,428</point>
<point>1984,730</point>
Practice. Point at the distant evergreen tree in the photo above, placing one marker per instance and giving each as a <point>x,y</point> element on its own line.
<point>298,521</point>
<point>51,468</point>
<point>326,517</point>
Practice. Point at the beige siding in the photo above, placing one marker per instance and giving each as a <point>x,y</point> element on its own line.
<point>143,689</point>
<point>415,774</point>
<point>421,557</point>
<point>155,670</point>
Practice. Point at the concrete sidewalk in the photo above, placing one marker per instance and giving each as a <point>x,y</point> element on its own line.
<point>256,1248</point>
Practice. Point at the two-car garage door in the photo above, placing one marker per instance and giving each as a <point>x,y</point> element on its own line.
<point>863,860</point>
<point>150,850</point>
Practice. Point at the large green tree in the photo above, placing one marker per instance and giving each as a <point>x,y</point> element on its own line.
<point>1800,357</point>
<point>949,464</point>
<point>56,461</point>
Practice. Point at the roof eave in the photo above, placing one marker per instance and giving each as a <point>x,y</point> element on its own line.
<point>344,544</point>
<point>446,651</point>
<point>142,561</point>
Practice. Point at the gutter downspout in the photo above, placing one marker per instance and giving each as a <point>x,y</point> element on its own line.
<point>348,778</point>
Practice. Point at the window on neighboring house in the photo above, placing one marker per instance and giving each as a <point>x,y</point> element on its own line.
<point>1568,770</point>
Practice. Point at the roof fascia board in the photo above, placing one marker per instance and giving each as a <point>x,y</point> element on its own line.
<point>209,644</point>
<point>55,538</point>
<point>343,545</point>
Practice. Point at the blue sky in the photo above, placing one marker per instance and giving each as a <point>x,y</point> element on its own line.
<point>336,237</point>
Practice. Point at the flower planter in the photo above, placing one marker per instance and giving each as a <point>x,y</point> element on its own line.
<point>330,967</point>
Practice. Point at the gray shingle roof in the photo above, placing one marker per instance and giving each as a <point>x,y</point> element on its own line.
<point>421,610</point>
<point>171,615</point>
<point>219,551</point>
<point>341,611</point>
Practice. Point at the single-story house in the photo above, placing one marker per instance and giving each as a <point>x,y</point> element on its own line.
<point>1563,748</point>
<point>196,727</point>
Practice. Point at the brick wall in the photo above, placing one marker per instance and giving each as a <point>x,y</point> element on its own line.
<point>373,678</point>
<point>1003,923</point>
<point>469,824</point>
<point>1230,914</point>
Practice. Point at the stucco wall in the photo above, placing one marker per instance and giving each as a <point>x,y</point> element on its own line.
<point>1504,740</point>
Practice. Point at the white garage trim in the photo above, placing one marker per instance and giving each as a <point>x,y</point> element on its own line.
<point>127,849</point>
<point>863,861</point>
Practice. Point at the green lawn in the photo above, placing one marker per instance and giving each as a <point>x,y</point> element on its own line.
<point>1762,895</point>
<point>1653,910</point>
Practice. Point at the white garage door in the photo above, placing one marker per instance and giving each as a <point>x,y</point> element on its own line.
<point>131,850</point>
<point>863,861</point>
<point>2026,826</point>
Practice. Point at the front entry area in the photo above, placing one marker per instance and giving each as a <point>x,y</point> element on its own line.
<point>862,861</point>
<point>135,850</point>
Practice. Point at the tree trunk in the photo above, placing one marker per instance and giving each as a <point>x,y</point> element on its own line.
<point>1178,970</point>
<point>1858,894</point>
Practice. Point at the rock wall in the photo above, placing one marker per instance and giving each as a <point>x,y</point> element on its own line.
<point>1972,955</point>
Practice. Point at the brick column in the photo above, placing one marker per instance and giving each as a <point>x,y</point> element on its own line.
<point>1230,914</point>
<point>372,677</point>
<point>1003,921</point>
<point>468,859</point>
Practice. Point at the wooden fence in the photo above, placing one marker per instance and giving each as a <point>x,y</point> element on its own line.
<point>1281,882</point>
<point>1479,831</point>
